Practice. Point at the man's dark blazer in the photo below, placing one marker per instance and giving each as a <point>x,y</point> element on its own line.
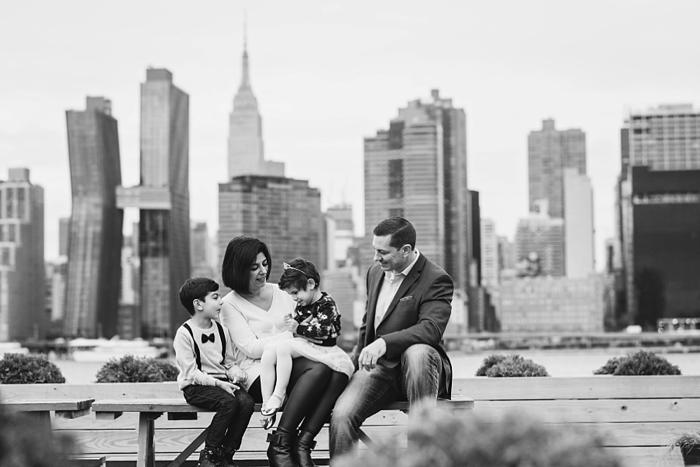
<point>417,314</point>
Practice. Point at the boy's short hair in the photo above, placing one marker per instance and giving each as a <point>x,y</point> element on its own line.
<point>296,274</point>
<point>196,288</point>
<point>240,255</point>
<point>402,232</point>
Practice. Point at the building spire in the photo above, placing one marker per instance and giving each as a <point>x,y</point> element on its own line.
<point>245,78</point>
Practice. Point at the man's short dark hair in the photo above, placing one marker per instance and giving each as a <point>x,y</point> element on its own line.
<point>402,232</point>
<point>297,274</point>
<point>240,255</point>
<point>196,288</point>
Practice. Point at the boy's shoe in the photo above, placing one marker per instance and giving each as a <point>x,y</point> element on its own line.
<point>210,458</point>
<point>227,458</point>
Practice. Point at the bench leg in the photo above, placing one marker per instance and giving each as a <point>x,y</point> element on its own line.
<point>192,447</point>
<point>43,421</point>
<point>364,438</point>
<point>146,454</point>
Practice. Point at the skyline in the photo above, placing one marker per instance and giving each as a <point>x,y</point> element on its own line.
<point>328,75</point>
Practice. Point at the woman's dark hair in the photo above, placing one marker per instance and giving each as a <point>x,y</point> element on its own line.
<point>240,255</point>
<point>402,232</point>
<point>296,274</point>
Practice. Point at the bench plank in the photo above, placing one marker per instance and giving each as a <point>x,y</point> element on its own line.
<point>28,405</point>
<point>179,405</point>
<point>587,387</point>
<point>600,410</point>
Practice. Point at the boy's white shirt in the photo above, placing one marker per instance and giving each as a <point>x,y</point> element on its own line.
<point>210,356</point>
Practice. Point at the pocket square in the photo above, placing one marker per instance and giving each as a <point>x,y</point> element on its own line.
<point>406,298</point>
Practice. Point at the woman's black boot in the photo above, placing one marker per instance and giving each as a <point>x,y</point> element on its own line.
<point>303,447</point>
<point>279,452</point>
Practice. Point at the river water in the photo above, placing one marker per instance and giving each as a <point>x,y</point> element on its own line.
<point>569,362</point>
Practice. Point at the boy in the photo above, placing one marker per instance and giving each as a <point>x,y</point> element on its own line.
<point>209,377</point>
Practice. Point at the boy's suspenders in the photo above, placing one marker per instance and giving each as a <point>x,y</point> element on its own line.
<point>198,356</point>
<point>223,341</point>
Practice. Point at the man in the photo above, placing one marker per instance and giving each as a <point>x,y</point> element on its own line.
<point>399,353</point>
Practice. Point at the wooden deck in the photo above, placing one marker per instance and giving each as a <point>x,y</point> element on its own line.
<point>639,415</point>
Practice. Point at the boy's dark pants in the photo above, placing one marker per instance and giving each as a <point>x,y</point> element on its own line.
<point>232,414</point>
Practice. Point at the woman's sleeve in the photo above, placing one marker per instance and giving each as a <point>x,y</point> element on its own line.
<point>233,371</point>
<point>241,334</point>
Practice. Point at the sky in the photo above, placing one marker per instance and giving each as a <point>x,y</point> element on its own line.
<point>329,73</point>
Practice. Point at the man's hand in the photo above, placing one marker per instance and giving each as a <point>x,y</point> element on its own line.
<point>370,354</point>
<point>228,387</point>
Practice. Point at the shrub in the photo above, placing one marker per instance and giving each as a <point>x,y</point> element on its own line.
<point>439,438</point>
<point>489,361</point>
<point>510,366</point>
<point>27,369</point>
<point>131,369</point>
<point>169,370</point>
<point>638,363</point>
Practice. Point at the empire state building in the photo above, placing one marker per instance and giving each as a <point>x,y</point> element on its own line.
<point>246,155</point>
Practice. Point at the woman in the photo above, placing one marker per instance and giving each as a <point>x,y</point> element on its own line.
<point>256,313</point>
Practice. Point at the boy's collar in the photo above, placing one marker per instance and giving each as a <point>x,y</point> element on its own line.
<point>202,325</point>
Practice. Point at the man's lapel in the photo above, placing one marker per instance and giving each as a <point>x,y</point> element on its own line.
<point>375,285</point>
<point>405,286</point>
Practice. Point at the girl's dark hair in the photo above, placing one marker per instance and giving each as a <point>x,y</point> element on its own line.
<point>240,255</point>
<point>296,274</point>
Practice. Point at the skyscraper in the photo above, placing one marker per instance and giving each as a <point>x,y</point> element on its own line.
<point>22,274</point>
<point>95,239</point>
<point>659,213</point>
<point>578,224</point>
<point>282,212</point>
<point>246,155</point>
<point>200,251</point>
<point>489,254</point>
<point>163,201</point>
<point>63,236</point>
<point>340,235</point>
<point>543,236</point>
<point>417,169</point>
<point>550,151</point>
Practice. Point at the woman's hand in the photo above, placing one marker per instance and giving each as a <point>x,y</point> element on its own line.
<point>236,375</point>
<point>290,323</point>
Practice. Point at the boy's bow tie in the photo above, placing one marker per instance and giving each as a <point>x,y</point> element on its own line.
<point>208,338</point>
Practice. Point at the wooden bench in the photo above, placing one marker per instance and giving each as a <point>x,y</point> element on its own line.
<point>40,410</point>
<point>121,438</point>
<point>177,409</point>
<point>639,416</point>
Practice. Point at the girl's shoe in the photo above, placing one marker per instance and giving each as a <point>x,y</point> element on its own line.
<point>268,418</point>
<point>269,410</point>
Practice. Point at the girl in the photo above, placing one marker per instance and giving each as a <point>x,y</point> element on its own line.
<point>317,322</point>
